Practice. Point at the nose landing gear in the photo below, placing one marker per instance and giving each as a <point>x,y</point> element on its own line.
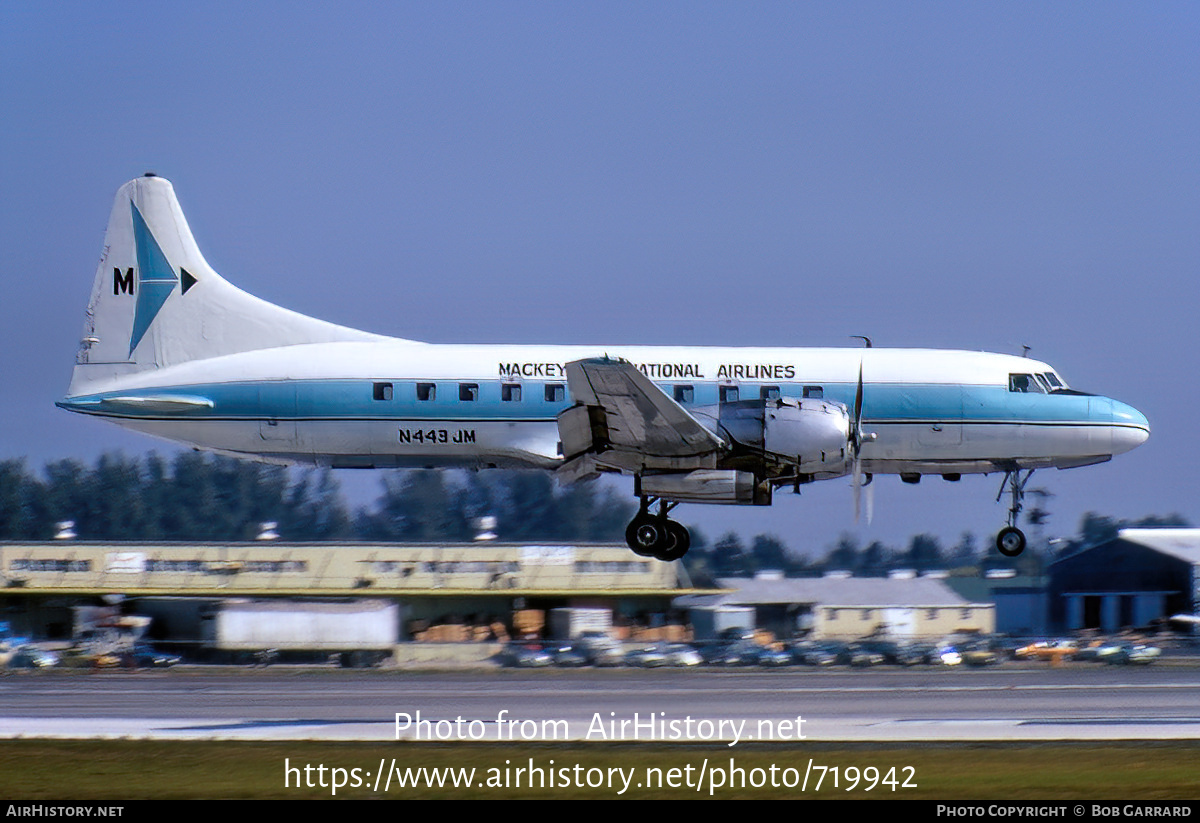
<point>1010,541</point>
<point>654,535</point>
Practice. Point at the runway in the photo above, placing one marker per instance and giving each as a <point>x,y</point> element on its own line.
<point>732,707</point>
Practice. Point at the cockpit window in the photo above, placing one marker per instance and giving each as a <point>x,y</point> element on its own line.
<point>1041,378</point>
<point>1024,383</point>
<point>1053,380</point>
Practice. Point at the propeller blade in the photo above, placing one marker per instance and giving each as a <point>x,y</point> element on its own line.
<point>858,405</point>
<point>857,438</point>
<point>855,442</point>
<point>856,485</point>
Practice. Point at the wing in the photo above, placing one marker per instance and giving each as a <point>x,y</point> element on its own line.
<point>623,422</point>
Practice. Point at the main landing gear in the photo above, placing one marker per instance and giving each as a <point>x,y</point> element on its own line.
<point>1010,541</point>
<point>654,535</point>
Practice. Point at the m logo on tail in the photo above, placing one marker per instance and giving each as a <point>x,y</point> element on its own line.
<point>122,283</point>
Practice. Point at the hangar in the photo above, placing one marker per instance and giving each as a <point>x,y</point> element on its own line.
<point>1139,578</point>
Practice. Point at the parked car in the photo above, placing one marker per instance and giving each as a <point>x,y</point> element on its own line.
<point>649,656</point>
<point>1052,650</point>
<point>811,653</point>
<point>979,656</point>
<point>948,656</point>
<point>31,657</point>
<point>145,656</point>
<point>860,655</point>
<point>736,653</point>
<point>526,655</point>
<point>772,657</point>
<point>681,654</point>
<point>1136,654</point>
<point>567,655</point>
<point>896,653</point>
<point>977,652</point>
<point>1097,652</point>
<point>600,649</point>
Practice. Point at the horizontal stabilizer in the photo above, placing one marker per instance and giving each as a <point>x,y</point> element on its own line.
<point>141,404</point>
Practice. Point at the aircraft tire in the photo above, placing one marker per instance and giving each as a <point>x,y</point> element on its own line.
<point>1010,542</point>
<point>643,535</point>
<point>678,541</point>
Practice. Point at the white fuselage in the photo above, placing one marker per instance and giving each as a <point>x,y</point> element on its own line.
<point>395,403</point>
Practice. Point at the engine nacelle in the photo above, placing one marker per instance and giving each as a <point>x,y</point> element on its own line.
<point>814,433</point>
<point>811,435</point>
<point>738,488</point>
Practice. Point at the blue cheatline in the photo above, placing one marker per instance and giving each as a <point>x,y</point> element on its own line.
<point>333,399</point>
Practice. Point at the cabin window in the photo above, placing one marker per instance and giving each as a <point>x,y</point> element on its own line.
<point>768,393</point>
<point>427,391</point>
<point>815,392</point>
<point>468,392</point>
<point>685,394</point>
<point>383,391</point>
<point>510,392</point>
<point>555,392</point>
<point>1024,384</point>
<point>729,394</point>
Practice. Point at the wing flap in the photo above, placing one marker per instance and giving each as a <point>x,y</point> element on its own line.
<point>629,423</point>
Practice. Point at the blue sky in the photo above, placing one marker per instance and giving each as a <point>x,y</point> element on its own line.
<point>978,176</point>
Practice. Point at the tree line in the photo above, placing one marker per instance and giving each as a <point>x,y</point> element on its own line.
<point>195,496</point>
<point>730,556</point>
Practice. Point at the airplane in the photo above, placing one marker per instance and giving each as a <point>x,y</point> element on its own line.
<point>171,349</point>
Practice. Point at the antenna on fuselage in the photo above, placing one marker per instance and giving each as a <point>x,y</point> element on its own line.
<point>863,338</point>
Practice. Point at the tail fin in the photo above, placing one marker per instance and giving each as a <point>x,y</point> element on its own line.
<point>156,302</point>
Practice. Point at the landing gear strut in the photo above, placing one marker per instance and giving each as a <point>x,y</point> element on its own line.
<point>1010,542</point>
<point>654,535</point>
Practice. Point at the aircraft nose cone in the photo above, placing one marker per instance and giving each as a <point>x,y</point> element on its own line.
<point>1130,427</point>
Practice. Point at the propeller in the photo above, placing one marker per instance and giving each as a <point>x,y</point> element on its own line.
<point>857,438</point>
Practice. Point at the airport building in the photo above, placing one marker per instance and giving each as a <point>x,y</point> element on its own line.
<point>443,592</point>
<point>845,608</point>
<point>1140,578</point>
<point>1020,600</point>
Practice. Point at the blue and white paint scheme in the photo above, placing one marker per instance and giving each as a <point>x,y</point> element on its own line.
<point>173,350</point>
